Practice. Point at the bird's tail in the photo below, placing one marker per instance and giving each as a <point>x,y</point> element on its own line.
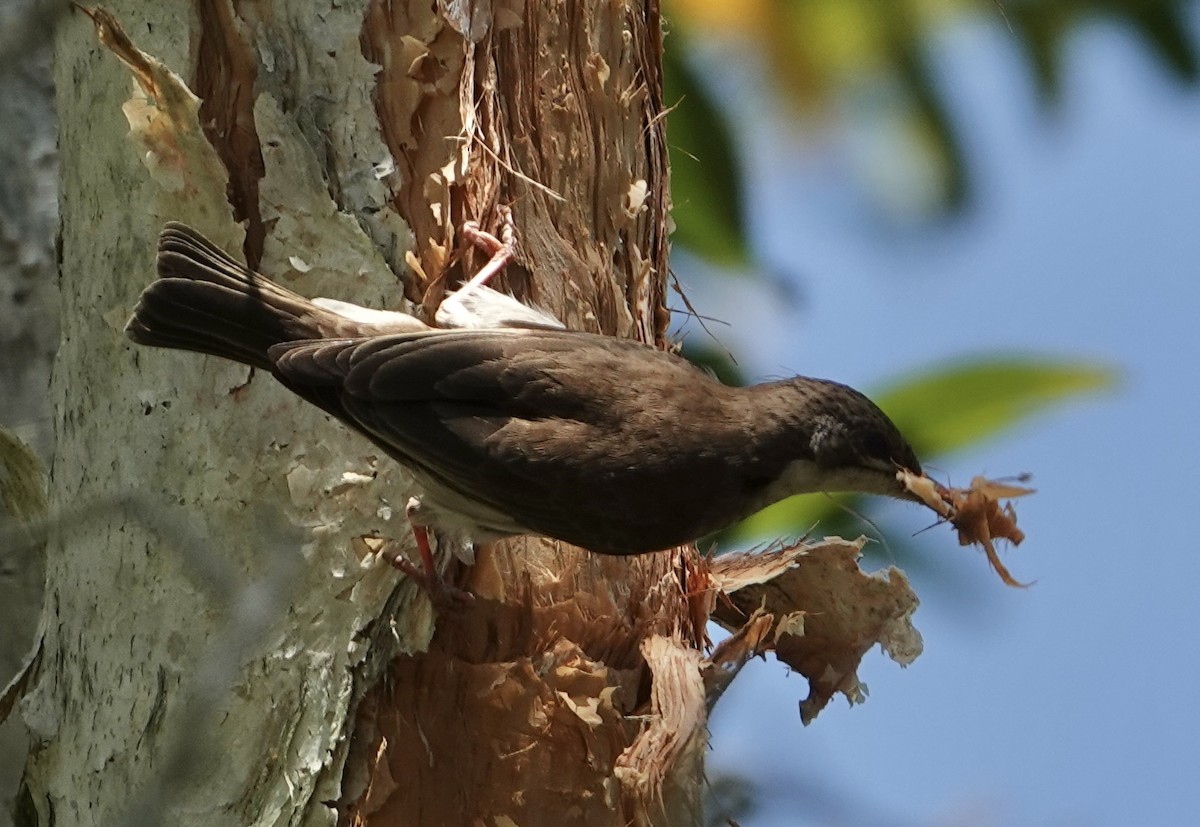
<point>205,301</point>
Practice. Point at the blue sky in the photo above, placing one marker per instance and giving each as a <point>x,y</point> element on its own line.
<point>1069,703</point>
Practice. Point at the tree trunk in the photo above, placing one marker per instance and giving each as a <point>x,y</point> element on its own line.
<point>28,338</point>
<point>222,645</point>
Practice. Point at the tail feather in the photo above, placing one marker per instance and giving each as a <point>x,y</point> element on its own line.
<point>206,301</point>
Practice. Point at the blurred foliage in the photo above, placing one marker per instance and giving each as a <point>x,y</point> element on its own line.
<point>705,182</point>
<point>716,362</point>
<point>872,57</point>
<point>827,58</point>
<point>944,410</point>
<point>824,57</point>
<point>728,799</point>
<point>1042,29</point>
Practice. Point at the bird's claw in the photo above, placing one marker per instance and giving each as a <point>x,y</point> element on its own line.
<point>444,596</point>
<point>500,249</point>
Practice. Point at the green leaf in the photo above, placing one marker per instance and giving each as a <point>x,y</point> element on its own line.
<point>963,404</point>
<point>706,184</point>
<point>790,518</point>
<point>1042,29</point>
<point>718,362</point>
<point>906,46</point>
<point>1164,26</point>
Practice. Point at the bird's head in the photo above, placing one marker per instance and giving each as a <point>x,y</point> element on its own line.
<point>834,440</point>
<point>855,446</point>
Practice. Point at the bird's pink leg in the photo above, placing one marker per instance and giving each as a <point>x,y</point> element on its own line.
<point>501,249</point>
<point>442,594</point>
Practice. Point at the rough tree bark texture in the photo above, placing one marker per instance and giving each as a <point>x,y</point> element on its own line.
<point>28,217</point>
<point>220,641</point>
<point>28,338</point>
<point>221,644</point>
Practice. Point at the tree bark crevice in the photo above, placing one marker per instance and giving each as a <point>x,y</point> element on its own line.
<point>534,693</point>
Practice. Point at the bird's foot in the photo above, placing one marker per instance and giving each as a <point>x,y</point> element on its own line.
<point>444,596</point>
<point>501,249</point>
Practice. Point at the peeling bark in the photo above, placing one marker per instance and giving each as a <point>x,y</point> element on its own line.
<point>347,148</point>
<point>557,112</point>
<point>817,611</point>
<point>223,643</point>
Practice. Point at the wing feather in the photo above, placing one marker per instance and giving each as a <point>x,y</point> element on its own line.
<point>501,418</point>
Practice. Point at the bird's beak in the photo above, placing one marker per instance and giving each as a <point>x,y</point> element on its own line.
<point>903,492</point>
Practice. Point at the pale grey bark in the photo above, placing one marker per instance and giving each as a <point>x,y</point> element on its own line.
<point>216,620</point>
<point>28,330</point>
<point>220,643</point>
<point>198,664</point>
<point>28,222</point>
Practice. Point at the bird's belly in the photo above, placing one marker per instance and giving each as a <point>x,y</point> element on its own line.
<point>443,507</point>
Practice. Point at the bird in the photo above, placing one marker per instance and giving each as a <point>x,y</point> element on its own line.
<point>608,444</point>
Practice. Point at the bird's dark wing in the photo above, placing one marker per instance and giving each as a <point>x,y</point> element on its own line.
<point>533,423</point>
